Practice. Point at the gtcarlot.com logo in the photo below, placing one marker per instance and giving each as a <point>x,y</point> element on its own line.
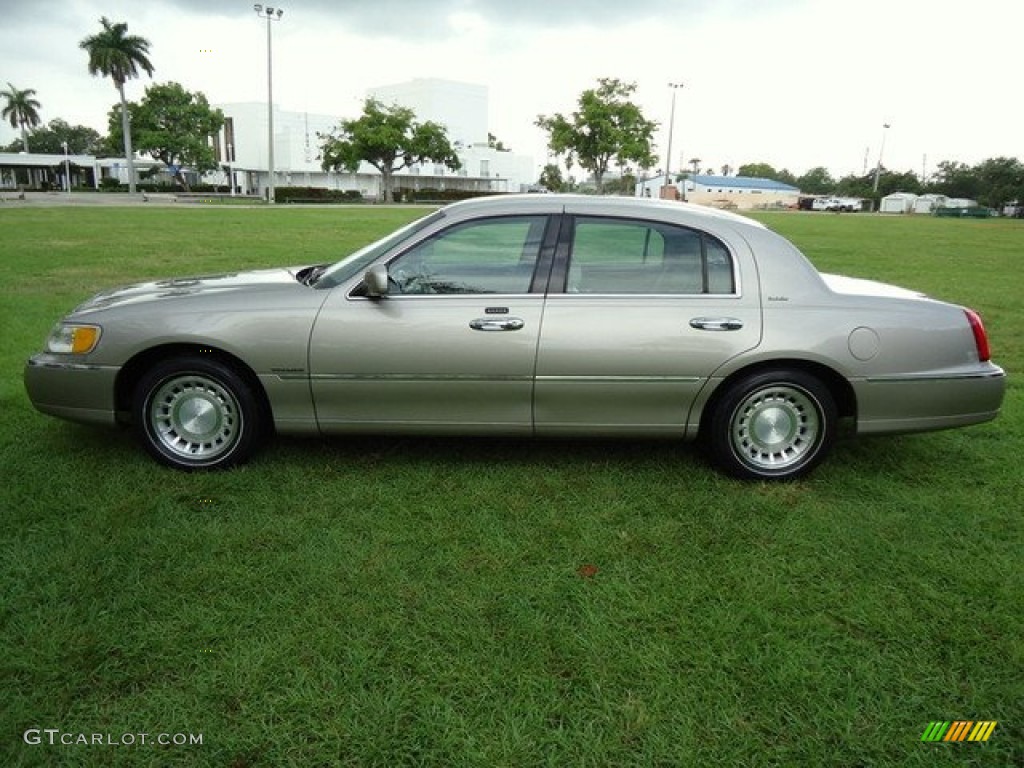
<point>57,737</point>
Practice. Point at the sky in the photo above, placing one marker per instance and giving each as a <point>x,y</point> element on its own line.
<point>796,84</point>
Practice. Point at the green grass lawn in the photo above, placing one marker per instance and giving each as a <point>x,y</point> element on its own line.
<point>384,602</point>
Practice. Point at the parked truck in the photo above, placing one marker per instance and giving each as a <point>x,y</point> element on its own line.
<point>837,204</point>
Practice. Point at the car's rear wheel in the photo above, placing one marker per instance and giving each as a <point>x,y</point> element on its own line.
<point>773,425</point>
<point>196,413</point>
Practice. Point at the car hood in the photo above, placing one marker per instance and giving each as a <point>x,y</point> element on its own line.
<point>189,287</point>
<point>856,286</point>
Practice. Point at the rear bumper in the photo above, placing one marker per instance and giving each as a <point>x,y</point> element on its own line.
<point>920,403</point>
<point>72,391</point>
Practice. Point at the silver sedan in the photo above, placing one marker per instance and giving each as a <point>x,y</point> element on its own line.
<point>533,315</point>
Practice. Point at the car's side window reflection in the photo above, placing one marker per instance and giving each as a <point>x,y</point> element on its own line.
<point>489,256</point>
<point>624,256</point>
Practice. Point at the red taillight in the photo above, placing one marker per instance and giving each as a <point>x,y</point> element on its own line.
<point>980,337</point>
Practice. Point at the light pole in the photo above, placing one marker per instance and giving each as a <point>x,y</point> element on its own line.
<point>67,170</point>
<point>270,14</point>
<point>231,171</point>
<point>881,149</point>
<point>671,127</point>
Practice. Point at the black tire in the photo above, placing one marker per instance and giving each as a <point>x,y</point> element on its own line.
<point>773,425</point>
<point>196,413</point>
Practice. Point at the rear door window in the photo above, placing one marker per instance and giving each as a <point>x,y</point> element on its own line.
<point>625,256</point>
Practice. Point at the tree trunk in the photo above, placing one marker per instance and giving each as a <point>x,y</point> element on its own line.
<point>24,137</point>
<point>126,129</point>
<point>386,182</point>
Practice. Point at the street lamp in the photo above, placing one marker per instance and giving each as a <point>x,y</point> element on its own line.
<point>881,149</point>
<point>671,127</point>
<point>67,170</point>
<point>270,14</point>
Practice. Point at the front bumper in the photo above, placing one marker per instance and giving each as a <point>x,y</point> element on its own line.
<point>73,391</point>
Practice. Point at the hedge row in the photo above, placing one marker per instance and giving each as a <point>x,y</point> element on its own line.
<point>322,195</point>
<point>109,184</point>
<point>309,194</point>
<point>436,195</point>
<point>316,195</point>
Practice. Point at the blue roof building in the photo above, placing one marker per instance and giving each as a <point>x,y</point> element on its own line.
<point>739,182</point>
<point>734,192</point>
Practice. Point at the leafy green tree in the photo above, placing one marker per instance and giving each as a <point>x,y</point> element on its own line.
<point>115,54</point>
<point>551,178</point>
<point>817,181</point>
<point>758,171</point>
<point>496,144</point>
<point>50,139</point>
<point>888,182</point>
<point>766,171</point>
<point>389,138</point>
<point>995,182</point>
<point>606,127</point>
<point>21,110</point>
<point>623,185</point>
<point>1001,180</point>
<point>857,186</point>
<point>787,178</point>
<point>174,126</point>
<point>955,179</point>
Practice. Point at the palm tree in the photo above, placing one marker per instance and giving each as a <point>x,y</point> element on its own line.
<point>115,54</point>
<point>21,110</point>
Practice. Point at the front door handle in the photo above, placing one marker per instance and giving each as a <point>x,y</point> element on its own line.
<point>496,324</point>
<point>716,323</point>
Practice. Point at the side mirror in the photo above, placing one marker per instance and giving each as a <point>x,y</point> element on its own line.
<point>376,281</point>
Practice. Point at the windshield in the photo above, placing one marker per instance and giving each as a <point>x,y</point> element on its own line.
<point>353,265</point>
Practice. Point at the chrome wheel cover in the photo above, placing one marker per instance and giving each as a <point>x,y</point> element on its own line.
<point>775,428</point>
<point>194,418</point>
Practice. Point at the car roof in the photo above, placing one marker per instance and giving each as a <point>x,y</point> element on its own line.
<point>597,205</point>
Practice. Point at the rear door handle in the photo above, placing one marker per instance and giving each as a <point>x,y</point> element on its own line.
<point>716,323</point>
<point>496,324</point>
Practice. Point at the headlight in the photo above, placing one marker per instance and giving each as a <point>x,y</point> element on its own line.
<point>73,339</point>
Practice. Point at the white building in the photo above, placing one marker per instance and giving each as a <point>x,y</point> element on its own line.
<point>732,192</point>
<point>21,170</point>
<point>898,202</point>
<point>960,202</point>
<point>460,107</point>
<point>25,170</point>
<point>928,203</point>
<point>242,145</point>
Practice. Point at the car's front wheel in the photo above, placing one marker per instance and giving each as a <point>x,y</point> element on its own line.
<point>196,413</point>
<point>773,425</point>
